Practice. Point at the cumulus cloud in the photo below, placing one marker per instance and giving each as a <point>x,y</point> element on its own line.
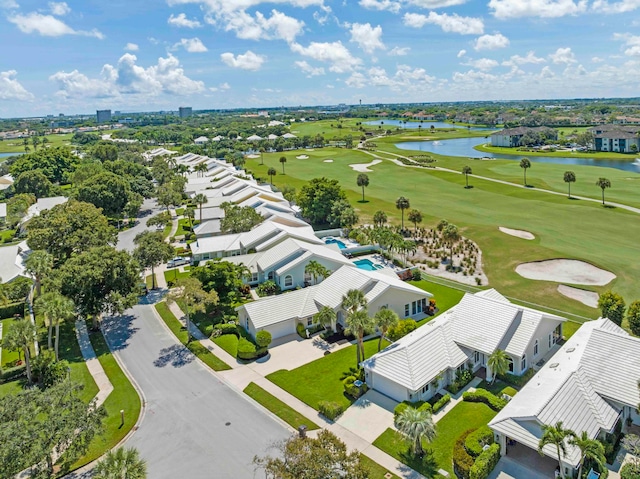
<point>48,26</point>
<point>247,61</point>
<point>309,70</point>
<point>11,89</point>
<point>192,45</point>
<point>389,5</point>
<point>59,8</point>
<point>461,53</point>
<point>623,6</point>
<point>9,4</point>
<point>222,87</point>
<point>334,53</point>
<point>517,60</point>
<point>536,8</point>
<point>491,42</point>
<point>429,4</point>
<point>182,21</point>
<point>367,37</point>
<point>449,23</point>
<point>404,78</point>
<point>484,64</point>
<point>132,47</point>
<point>632,42</point>
<point>399,51</point>
<point>563,56</point>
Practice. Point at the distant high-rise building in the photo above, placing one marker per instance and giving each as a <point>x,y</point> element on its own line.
<point>104,116</point>
<point>185,111</point>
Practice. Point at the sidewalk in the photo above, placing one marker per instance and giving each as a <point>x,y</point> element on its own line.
<point>93,365</point>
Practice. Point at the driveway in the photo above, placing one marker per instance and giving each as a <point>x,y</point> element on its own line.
<point>148,209</point>
<point>509,469</point>
<point>369,416</point>
<point>195,425</point>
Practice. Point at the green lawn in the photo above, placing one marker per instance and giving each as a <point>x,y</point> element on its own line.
<point>8,357</point>
<point>228,342</point>
<point>11,387</point>
<point>195,347</point>
<point>171,275</point>
<point>17,146</point>
<point>149,280</point>
<point>6,236</point>
<point>70,350</point>
<point>277,407</point>
<point>445,296</point>
<point>465,415</point>
<point>562,154</point>
<point>184,226</point>
<point>376,471</point>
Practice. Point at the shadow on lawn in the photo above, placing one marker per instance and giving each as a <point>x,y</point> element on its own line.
<point>425,465</point>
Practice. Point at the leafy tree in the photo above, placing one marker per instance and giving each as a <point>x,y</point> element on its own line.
<point>272,172</point>
<point>189,294</point>
<point>162,219</point>
<point>107,191</point>
<point>323,457</point>
<point>316,270</point>
<point>100,280</point>
<point>72,227</point>
<point>402,204</point>
<point>39,264</point>
<point>56,309</point>
<point>342,215</point>
<point>33,182</point>
<point>17,207</point>
<point>556,436</point>
<point>85,171</point>
<point>133,205</point>
<point>151,251</point>
<point>466,171</point>
<point>55,163</point>
<point>384,319</point>
<point>363,180</point>
<point>223,277</point>
<point>633,317</point>
<point>525,164</point>
<point>416,425</point>
<point>201,199</point>
<point>603,183</point>
<point>317,197</point>
<point>283,160</point>
<point>289,193</point>
<point>121,463</point>
<point>190,212</point>
<point>21,336</point>
<point>569,177</point>
<point>415,216</point>
<point>169,194</point>
<point>590,449</point>
<point>239,219</point>
<point>498,363</point>
<point>326,317</point>
<point>105,152</point>
<point>612,306</point>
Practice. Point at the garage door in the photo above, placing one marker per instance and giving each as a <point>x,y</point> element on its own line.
<point>389,388</point>
<point>282,329</point>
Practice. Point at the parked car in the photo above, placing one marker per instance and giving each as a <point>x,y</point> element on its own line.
<point>178,261</point>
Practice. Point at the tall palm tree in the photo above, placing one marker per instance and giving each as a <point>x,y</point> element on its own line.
<point>190,213</point>
<point>56,308</point>
<point>402,204</point>
<point>590,449</point>
<point>498,363</point>
<point>201,199</point>
<point>525,164</point>
<point>362,181</point>
<point>379,218</point>
<point>385,319</point>
<point>326,316</point>
<point>121,464</point>
<point>39,265</point>
<point>353,300</point>
<point>416,425</point>
<point>555,436</point>
<point>569,177</point>
<point>283,160</point>
<point>415,216</point>
<point>359,323</point>
<point>603,183</point>
<point>316,270</point>
<point>451,234</point>
<point>201,168</point>
<point>21,336</point>
<point>262,150</point>
<point>466,171</point>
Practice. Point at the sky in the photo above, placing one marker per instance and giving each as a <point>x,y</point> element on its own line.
<point>143,55</point>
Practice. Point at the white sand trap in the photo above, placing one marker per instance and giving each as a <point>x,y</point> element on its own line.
<point>364,167</point>
<point>518,233</point>
<point>585,297</point>
<point>328,161</point>
<point>565,271</point>
<point>253,156</point>
<point>308,149</point>
<point>302,157</point>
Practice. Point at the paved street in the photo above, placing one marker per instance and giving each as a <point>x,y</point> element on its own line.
<point>195,425</point>
<point>125,238</point>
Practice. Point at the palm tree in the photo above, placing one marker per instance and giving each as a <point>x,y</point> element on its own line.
<point>262,150</point>
<point>569,177</point>
<point>201,168</point>
<point>415,216</point>
<point>379,218</point>
<point>555,436</point>
<point>603,183</point>
<point>590,449</point>
<point>121,464</point>
<point>39,265</point>
<point>402,204</point>
<point>21,335</point>
<point>283,160</point>
<point>272,172</point>
<point>498,363</point>
<point>56,308</point>
<point>363,180</point>
<point>385,319</point>
<point>316,270</point>
<point>326,316</point>
<point>525,164</point>
<point>190,213</point>
<point>466,171</point>
<point>353,300</point>
<point>359,323</point>
<point>201,199</point>
<point>416,425</point>
<point>450,234</point>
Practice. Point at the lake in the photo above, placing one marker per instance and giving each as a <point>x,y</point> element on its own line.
<point>6,155</point>
<point>465,147</point>
<point>426,125</point>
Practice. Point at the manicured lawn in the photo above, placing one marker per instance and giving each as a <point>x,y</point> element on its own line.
<point>319,380</point>
<point>17,146</point>
<point>228,342</point>
<point>195,347</point>
<point>464,416</point>
<point>376,471</point>
<point>184,226</point>
<point>496,388</point>
<point>563,154</point>
<point>149,280</point>
<point>6,235</point>
<point>8,357</point>
<point>171,275</point>
<point>70,351</point>
<point>277,407</point>
<point>445,296</point>
<point>570,327</point>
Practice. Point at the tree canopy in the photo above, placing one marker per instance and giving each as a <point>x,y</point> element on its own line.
<point>223,277</point>
<point>55,163</point>
<point>316,199</point>
<point>612,306</point>
<point>34,182</point>
<point>239,219</point>
<point>151,250</point>
<point>107,191</point>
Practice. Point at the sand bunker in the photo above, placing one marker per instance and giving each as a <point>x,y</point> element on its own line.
<point>253,156</point>
<point>364,167</point>
<point>565,271</point>
<point>302,157</point>
<point>328,161</point>
<point>585,297</point>
<point>518,233</point>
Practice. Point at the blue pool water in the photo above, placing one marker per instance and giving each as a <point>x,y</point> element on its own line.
<point>367,264</point>
<point>340,244</point>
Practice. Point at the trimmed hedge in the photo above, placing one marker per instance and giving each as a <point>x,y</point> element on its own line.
<point>10,310</point>
<point>482,395</point>
<point>419,405</point>
<point>330,409</point>
<point>248,351</point>
<point>441,402</point>
<point>509,391</point>
<point>517,381</point>
<point>300,329</point>
<point>226,328</point>
<point>478,439</point>
<point>630,471</point>
<point>462,460</point>
<point>485,463</point>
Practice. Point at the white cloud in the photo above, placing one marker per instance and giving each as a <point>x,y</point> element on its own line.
<point>59,8</point>
<point>405,78</point>
<point>449,23</point>
<point>563,56</point>
<point>9,4</point>
<point>389,5</point>
<point>491,42</point>
<point>277,27</point>
<point>399,51</point>
<point>334,53</point>
<point>132,47</point>
<point>48,26</point>
<point>309,70</point>
<point>429,4</point>
<point>461,53</point>
<point>632,42</point>
<point>367,37</point>
<point>222,87</point>
<point>246,61</point>
<point>536,8</point>
<point>520,60</point>
<point>11,89</point>
<point>192,45</point>
<point>182,21</point>
<point>597,59</point>
<point>484,64</point>
<point>622,6</point>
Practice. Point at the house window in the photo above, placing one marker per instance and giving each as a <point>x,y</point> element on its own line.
<point>549,341</point>
<point>523,363</point>
<point>406,310</point>
<point>535,348</point>
<point>288,280</point>
<point>310,321</point>
<point>476,357</point>
<point>557,334</point>
<point>511,365</point>
<point>413,307</point>
<point>270,275</point>
<point>254,277</point>
<point>425,388</point>
<point>419,306</point>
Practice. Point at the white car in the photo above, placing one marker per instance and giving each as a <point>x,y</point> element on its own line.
<point>178,261</point>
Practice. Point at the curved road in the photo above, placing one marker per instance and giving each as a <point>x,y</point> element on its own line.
<point>195,425</point>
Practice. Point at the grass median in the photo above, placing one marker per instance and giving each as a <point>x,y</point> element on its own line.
<point>279,408</point>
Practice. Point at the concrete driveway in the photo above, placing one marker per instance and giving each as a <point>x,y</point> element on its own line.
<point>195,425</point>
<point>509,469</point>
<point>369,416</point>
<point>148,209</point>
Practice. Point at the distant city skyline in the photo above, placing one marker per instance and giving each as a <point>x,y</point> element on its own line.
<point>78,57</point>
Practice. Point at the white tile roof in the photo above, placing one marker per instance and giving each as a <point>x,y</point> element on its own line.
<point>12,261</point>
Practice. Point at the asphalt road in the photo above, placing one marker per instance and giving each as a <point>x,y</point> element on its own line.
<point>195,425</point>
<point>125,238</point>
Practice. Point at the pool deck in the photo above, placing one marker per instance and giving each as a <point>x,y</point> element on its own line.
<point>377,259</point>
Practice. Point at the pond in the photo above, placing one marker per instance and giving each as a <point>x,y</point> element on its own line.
<point>425,125</point>
<point>7,155</point>
<point>465,147</point>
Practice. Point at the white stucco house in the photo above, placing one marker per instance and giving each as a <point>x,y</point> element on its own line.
<point>280,314</point>
<point>12,260</point>
<point>418,365</point>
<point>590,384</point>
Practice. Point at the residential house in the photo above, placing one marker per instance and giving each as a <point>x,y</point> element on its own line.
<point>617,138</point>
<point>511,137</point>
<point>201,140</point>
<point>12,261</point>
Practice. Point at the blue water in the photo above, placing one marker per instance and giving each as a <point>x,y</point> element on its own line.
<point>465,147</point>
<point>425,125</point>
<point>367,265</point>
<point>6,155</point>
<point>340,244</point>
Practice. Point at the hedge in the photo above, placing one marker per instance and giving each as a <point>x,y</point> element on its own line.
<point>441,402</point>
<point>509,391</point>
<point>485,463</point>
<point>246,349</point>
<point>462,460</point>
<point>10,310</point>
<point>330,409</point>
<point>517,381</point>
<point>226,328</point>
<point>300,329</point>
<point>484,396</point>
<point>419,405</point>
<point>630,471</point>
<point>477,440</point>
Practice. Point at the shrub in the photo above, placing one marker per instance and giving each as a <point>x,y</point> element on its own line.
<point>417,275</point>
<point>477,440</point>
<point>630,471</point>
<point>485,463</point>
<point>462,461</point>
<point>17,290</point>
<point>302,332</point>
<point>330,409</point>
<point>263,339</point>
<point>399,409</point>
<point>10,310</point>
<point>404,327</point>
<point>226,328</point>
<point>441,402</point>
<point>246,349</point>
<point>484,396</point>
<point>517,381</point>
<point>426,407</point>
<point>47,372</point>
<point>268,288</point>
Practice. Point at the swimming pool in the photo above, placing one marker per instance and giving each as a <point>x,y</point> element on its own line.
<point>367,264</point>
<point>340,244</point>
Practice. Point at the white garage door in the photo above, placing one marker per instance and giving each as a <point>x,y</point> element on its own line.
<point>389,388</point>
<point>282,329</point>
